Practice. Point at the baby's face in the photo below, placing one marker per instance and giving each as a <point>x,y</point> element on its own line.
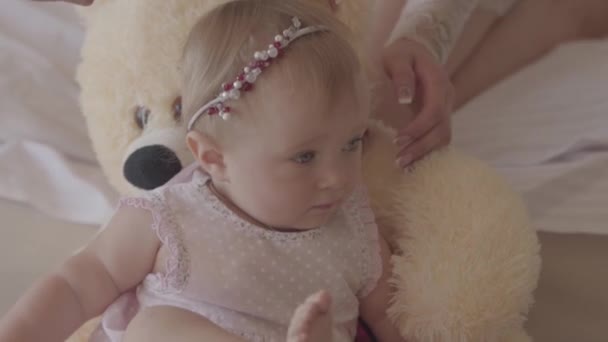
<point>302,161</point>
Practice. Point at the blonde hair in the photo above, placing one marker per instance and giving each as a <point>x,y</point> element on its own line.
<point>224,40</point>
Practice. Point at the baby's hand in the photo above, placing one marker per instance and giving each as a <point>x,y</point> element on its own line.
<point>312,321</point>
<point>420,79</point>
<point>78,2</point>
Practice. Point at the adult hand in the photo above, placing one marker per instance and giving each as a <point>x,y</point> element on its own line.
<point>420,79</point>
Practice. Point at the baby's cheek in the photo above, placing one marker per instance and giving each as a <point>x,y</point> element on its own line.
<point>289,202</point>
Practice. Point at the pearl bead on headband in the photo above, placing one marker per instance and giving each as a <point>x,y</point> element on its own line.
<point>245,80</point>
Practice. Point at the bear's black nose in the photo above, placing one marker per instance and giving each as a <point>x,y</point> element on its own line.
<point>151,166</point>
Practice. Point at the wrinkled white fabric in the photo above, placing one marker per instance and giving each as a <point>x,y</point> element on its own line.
<point>45,179</point>
<point>437,24</point>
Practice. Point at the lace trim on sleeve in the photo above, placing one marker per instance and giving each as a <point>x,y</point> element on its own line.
<point>365,221</point>
<point>436,24</point>
<point>176,274</point>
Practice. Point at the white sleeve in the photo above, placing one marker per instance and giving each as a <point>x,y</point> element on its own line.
<point>436,24</point>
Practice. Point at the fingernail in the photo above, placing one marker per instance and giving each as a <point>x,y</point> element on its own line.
<point>404,161</point>
<point>402,141</point>
<point>404,95</point>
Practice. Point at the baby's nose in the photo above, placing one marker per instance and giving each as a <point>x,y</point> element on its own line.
<point>334,179</point>
<point>151,166</point>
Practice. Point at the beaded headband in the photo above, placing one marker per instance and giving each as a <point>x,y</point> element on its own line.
<point>245,80</point>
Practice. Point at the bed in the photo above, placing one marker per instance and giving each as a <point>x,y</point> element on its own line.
<point>545,129</point>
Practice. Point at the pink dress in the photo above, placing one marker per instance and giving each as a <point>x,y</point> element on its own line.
<point>246,279</point>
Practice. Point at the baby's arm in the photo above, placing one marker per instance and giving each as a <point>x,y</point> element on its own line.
<point>375,304</point>
<point>116,260</point>
<point>436,24</point>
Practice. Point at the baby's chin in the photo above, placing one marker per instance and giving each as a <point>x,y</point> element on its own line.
<point>311,218</point>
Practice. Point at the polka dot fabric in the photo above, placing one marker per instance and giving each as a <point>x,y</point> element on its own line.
<point>249,280</point>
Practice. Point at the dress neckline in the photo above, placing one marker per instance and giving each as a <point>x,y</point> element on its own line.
<point>200,179</point>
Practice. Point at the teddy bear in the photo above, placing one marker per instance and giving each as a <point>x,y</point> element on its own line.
<point>466,260</point>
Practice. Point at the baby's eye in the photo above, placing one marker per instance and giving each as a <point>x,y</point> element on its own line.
<point>353,145</point>
<point>304,157</point>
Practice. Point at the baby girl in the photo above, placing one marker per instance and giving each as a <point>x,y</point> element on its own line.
<point>270,237</point>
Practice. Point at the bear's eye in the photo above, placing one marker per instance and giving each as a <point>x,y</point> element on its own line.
<point>142,114</point>
<point>177,108</point>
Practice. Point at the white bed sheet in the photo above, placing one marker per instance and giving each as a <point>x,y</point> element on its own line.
<point>39,45</point>
<point>544,129</point>
<point>46,159</point>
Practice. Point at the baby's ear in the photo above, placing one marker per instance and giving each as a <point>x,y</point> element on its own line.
<point>207,153</point>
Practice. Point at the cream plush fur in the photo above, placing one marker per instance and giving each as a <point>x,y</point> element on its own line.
<point>466,259</point>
